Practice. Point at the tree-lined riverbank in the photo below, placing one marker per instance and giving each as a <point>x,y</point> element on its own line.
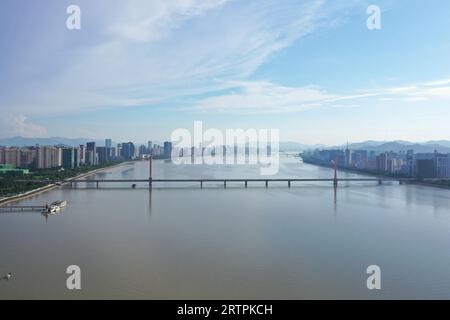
<point>11,190</point>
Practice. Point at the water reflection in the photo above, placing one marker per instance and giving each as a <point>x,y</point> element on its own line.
<point>335,199</point>
<point>150,192</point>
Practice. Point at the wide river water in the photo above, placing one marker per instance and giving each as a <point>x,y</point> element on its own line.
<point>183,242</point>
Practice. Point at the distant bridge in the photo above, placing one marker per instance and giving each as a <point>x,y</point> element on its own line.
<point>265,181</point>
<point>225,182</point>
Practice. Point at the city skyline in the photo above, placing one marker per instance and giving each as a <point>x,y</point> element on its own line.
<point>408,162</point>
<point>310,68</point>
<point>19,141</point>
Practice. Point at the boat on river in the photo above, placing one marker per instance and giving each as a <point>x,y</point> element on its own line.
<point>61,204</point>
<point>54,207</point>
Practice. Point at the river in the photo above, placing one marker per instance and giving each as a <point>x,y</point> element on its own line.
<point>183,242</point>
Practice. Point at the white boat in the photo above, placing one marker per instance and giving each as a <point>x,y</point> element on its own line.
<point>54,207</point>
<point>60,204</point>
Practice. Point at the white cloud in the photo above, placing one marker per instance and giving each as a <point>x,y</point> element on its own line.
<point>142,52</point>
<point>146,52</point>
<point>18,125</point>
<point>265,97</point>
<point>437,93</point>
<point>438,83</point>
<point>401,89</point>
<point>152,20</point>
<point>415,99</point>
<point>249,97</point>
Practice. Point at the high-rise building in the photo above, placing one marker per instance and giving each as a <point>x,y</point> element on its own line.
<point>48,157</point>
<point>68,155</point>
<point>91,153</point>
<point>12,157</point>
<point>82,154</point>
<point>102,155</point>
<point>425,168</point>
<point>28,157</point>
<point>56,157</point>
<point>382,162</point>
<point>425,165</point>
<point>142,150</point>
<point>409,167</point>
<point>40,157</point>
<point>150,147</point>
<point>2,155</point>
<point>128,150</point>
<point>348,157</point>
<point>359,158</point>
<point>77,157</point>
<point>168,149</point>
<point>108,150</point>
<point>442,165</point>
<point>156,150</point>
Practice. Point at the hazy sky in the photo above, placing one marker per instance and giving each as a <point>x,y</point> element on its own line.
<point>139,69</point>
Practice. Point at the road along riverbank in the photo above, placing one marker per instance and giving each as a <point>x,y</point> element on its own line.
<point>28,194</point>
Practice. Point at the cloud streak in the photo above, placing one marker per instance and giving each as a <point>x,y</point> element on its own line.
<point>160,52</point>
<point>152,21</point>
<point>253,97</point>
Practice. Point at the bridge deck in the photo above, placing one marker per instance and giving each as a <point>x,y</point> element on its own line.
<point>201,182</point>
<point>21,208</point>
<point>235,180</point>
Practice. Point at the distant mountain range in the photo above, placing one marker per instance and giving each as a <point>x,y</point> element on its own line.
<point>379,146</point>
<point>73,142</point>
<point>442,146</point>
<point>295,146</point>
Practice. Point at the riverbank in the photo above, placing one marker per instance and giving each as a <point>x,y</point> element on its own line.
<point>373,174</point>
<point>29,194</point>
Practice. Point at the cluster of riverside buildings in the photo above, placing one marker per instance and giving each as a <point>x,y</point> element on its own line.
<point>60,156</point>
<point>406,163</point>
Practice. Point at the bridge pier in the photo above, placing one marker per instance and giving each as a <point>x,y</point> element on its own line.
<point>246,184</point>
<point>267,183</point>
<point>380,182</point>
<point>289,183</point>
<point>201,184</point>
<point>225,184</point>
<point>97,184</point>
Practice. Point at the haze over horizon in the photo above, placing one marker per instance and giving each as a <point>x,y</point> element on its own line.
<point>19,141</point>
<point>309,68</point>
